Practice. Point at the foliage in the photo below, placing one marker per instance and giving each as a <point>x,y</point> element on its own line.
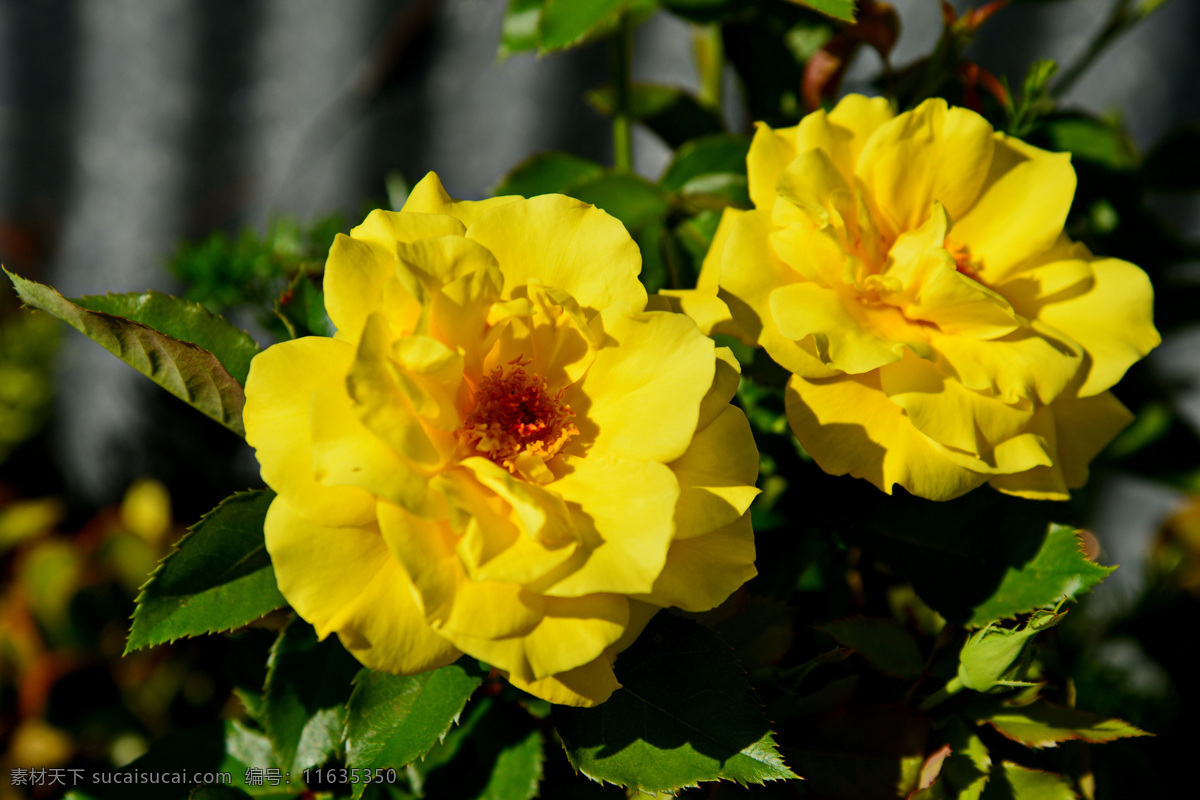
<point>889,647</point>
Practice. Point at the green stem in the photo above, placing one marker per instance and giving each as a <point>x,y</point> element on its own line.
<point>709,48</point>
<point>952,687</point>
<point>620,59</point>
<point>1117,23</point>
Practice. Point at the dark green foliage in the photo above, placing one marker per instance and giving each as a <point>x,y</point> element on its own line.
<point>685,714</point>
<point>219,577</point>
<point>308,684</point>
<point>392,720</point>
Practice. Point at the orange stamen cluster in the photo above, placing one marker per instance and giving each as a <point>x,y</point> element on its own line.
<point>515,414</point>
<point>962,259</point>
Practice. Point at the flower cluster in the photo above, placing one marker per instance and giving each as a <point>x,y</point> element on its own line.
<point>912,273</point>
<point>502,452</point>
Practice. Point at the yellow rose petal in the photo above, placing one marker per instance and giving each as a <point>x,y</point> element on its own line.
<point>716,475</point>
<point>278,394</point>
<point>624,512</point>
<point>582,687</point>
<point>555,239</point>
<point>932,153</point>
<point>641,398</point>
<point>849,426</point>
<point>430,197</point>
<point>1021,208</point>
<point>342,580</point>
<point>770,152</point>
<point>701,572</point>
<point>1111,320</point>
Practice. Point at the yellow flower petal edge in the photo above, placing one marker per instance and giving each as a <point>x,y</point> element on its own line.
<point>506,451</point>
<point>911,271</point>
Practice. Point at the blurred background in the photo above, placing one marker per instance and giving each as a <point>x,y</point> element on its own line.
<point>130,127</point>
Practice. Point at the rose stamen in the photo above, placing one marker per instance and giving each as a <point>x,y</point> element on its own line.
<point>963,261</point>
<point>515,414</point>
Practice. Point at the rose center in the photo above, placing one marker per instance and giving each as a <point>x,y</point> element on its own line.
<point>964,262</point>
<point>514,414</point>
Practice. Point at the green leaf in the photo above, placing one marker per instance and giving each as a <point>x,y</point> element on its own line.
<point>1043,724</point>
<point>685,714</point>
<point>302,309</point>
<point>656,272</point>
<point>672,113</point>
<point>547,173</point>
<point>988,653</point>
<point>628,197</point>
<point>519,30</point>
<point>517,771</point>
<point>956,554</point>
<point>884,643</point>
<point>392,720</point>
<point>496,752</point>
<point>219,576</point>
<point>838,9</point>
<point>708,155</point>
<point>1058,571</point>
<point>965,773</point>
<point>186,370</point>
<point>565,23</point>
<point>1009,781</point>
<point>308,684</point>
<point>1090,139</point>
<point>185,321</point>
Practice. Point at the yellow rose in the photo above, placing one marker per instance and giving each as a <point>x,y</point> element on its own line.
<point>501,452</point>
<point>912,273</point>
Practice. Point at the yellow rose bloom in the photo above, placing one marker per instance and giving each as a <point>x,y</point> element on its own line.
<point>501,452</point>
<point>912,273</point>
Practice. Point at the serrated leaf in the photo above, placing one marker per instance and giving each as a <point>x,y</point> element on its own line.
<point>884,643</point>
<point>838,9</point>
<point>392,720</point>
<point>1009,781</point>
<point>565,23</point>
<point>708,155</point>
<point>218,577</point>
<point>308,684</point>
<point>547,173</point>
<point>1059,570</point>
<point>628,197</point>
<point>1044,724</point>
<point>672,113</point>
<point>517,771</point>
<point>988,653</point>
<point>185,321</point>
<point>186,370</point>
<point>519,30</point>
<point>685,714</point>
<point>965,773</point>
